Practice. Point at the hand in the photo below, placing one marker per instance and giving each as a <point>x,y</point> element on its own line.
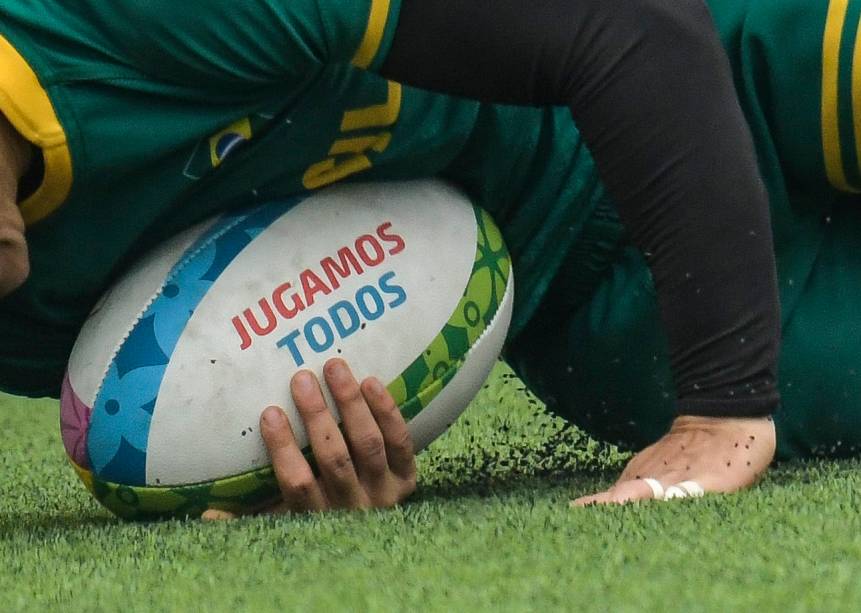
<point>374,466</point>
<point>719,454</point>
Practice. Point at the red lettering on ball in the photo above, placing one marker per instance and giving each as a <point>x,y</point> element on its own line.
<point>397,239</point>
<point>370,259</point>
<point>312,285</point>
<point>287,312</point>
<point>333,270</point>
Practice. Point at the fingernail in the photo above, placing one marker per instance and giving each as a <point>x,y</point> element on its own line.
<point>303,382</point>
<point>338,371</point>
<point>376,387</point>
<point>273,417</point>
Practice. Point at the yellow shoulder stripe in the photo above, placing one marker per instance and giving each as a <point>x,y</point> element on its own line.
<point>856,92</point>
<point>373,35</point>
<point>26,105</point>
<point>831,148</point>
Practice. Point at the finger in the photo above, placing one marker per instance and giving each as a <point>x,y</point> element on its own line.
<point>339,476</point>
<point>692,488</point>
<point>363,435</point>
<point>217,515</point>
<point>299,488</point>
<point>685,489</point>
<point>591,499</point>
<point>621,493</point>
<point>631,491</point>
<point>656,487</point>
<point>398,440</point>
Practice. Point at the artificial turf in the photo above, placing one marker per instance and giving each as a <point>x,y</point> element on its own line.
<point>488,529</point>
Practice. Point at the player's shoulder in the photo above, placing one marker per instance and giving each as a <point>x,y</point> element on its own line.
<point>62,40</point>
<point>733,16</point>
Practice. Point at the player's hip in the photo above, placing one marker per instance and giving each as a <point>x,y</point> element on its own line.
<point>599,356</point>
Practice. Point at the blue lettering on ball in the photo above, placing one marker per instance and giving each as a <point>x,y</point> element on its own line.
<point>344,318</point>
<point>377,300</point>
<point>397,290</point>
<point>328,335</point>
<point>289,341</point>
<point>344,330</point>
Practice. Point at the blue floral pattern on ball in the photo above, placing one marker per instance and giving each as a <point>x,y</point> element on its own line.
<point>120,422</point>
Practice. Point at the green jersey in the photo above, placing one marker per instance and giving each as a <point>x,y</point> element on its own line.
<point>151,116</point>
<point>795,73</point>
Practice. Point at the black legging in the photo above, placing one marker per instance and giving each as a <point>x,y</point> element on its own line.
<point>651,90</point>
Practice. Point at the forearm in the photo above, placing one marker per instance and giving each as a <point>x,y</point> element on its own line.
<point>651,91</point>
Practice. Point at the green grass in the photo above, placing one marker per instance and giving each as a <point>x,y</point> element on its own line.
<point>489,529</point>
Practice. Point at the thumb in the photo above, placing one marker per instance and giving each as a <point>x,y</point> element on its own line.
<point>217,515</point>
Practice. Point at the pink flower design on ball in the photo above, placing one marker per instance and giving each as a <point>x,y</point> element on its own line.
<point>74,423</point>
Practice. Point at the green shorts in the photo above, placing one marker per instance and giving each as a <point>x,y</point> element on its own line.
<point>597,355</point>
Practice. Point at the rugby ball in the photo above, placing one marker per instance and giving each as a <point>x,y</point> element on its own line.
<point>408,282</point>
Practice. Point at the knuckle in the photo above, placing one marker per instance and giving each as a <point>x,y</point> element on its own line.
<point>347,394</point>
<point>369,446</point>
<point>389,409</point>
<point>403,441</point>
<point>314,409</point>
<point>297,484</point>
<point>338,465</point>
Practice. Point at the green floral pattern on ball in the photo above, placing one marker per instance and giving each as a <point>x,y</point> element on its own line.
<point>422,380</point>
<point>240,493</point>
<point>413,390</point>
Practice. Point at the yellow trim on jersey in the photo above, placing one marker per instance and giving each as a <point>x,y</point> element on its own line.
<point>26,105</point>
<point>378,142</point>
<point>856,91</point>
<point>373,35</point>
<point>831,40</point>
<point>377,115</point>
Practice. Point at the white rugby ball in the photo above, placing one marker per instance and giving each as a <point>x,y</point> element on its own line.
<point>408,282</point>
